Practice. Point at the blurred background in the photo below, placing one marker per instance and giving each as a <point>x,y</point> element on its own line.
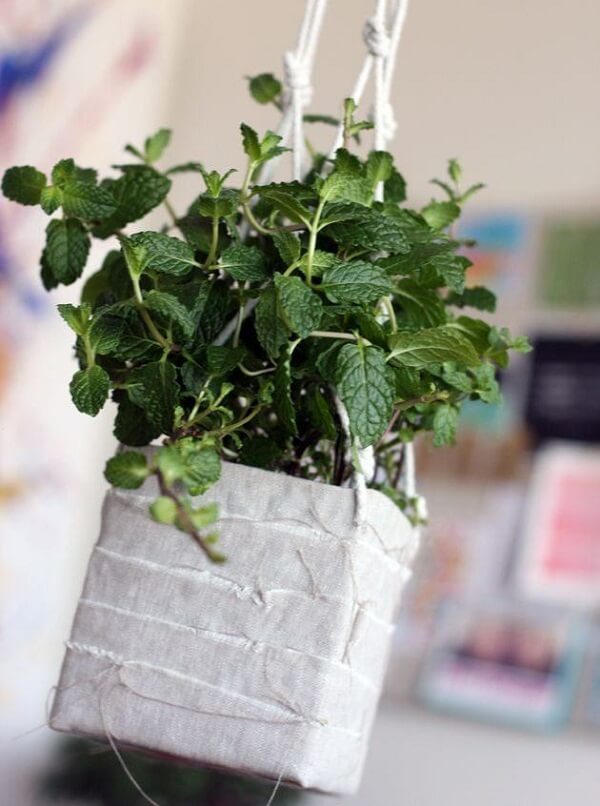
<point>493,692</point>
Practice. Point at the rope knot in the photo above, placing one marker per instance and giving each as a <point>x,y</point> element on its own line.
<point>297,78</point>
<point>376,38</point>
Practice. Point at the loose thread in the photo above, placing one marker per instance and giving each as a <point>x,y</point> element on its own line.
<point>276,790</point>
<point>120,758</point>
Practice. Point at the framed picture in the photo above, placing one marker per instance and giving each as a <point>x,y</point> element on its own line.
<point>560,556</point>
<point>504,662</point>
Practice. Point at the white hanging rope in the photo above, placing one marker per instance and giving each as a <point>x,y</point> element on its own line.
<point>298,66</point>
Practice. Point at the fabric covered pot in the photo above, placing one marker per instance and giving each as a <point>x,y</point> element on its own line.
<point>270,664</point>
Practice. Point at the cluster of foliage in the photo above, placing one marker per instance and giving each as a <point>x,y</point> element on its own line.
<point>230,331</point>
<point>84,772</point>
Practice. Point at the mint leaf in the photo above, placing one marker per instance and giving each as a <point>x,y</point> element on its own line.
<point>394,188</point>
<point>287,204</point>
<point>355,281</point>
<point>422,306</point>
<point>154,389</point>
<point>163,510</point>
<point>23,184</point>
<point>347,181</point>
<point>445,421</point>
<point>379,168</point>
<point>171,312</point>
<point>77,317</point>
<point>244,263</point>
<point>320,413</point>
<point>164,253</point>
<point>282,396</point>
<point>140,189</point>
<point>365,384</point>
<point>302,308</point>
<point>87,201</point>
<point>156,144</point>
<point>51,199</point>
<point>132,427</point>
<point>474,297</point>
<point>440,215</point>
<point>89,389</point>
<point>128,470</point>
<point>435,345</point>
<point>222,360</point>
<point>265,88</point>
<point>270,330</point>
<point>66,169</point>
<point>250,142</point>
<point>221,206</point>
<point>67,249</point>
<point>287,245</point>
<point>366,228</point>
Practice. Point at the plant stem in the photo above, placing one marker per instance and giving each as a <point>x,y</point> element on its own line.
<point>389,308</point>
<point>171,211</point>
<point>214,243</point>
<point>185,521</point>
<point>333,334</point>
<point>312,241</point>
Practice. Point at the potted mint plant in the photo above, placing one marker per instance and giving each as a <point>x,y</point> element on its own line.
<point>237,606</point>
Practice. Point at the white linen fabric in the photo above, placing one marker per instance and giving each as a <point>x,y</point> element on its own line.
<point>270,664</point>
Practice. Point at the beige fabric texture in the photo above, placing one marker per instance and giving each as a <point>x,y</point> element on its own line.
<point>270,664</point>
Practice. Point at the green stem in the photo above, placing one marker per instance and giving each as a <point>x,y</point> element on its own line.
<point>334,334</point>
<point>312,241</point>
<point>171,211</point>
<point>214,243</point>
<point>389,308</point>
<point>139,304</point>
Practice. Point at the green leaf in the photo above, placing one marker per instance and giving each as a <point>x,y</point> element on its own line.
<point>140,189</point>
<point>288,246</point>
<point>64,170</point>
<point>106,334</point>
<point>83,200</point>
<point>172,312</point>
<point>422,305</point>
<point>440,215</point>
<point>445,421</point>
<point>222,206</point>
<point>286,204</point>
<point>454,170</point>
<point>135,256</point>
<point>270,329</point>
<point>365,384</point>
<point>132,427</point>
<point>164,510</point>
<point>186,167</point>
<point>89,389</point>
<point>485,385</point>
<point>244,263</point>
<point>436,345</point>
<point>250,142</point>
<point>156,144</point>
<point>302,308</point>
<point>203,469</point>
<point>77,317</point>
<point>320,413</point>
<point>394,188</point>
<point>346,181</point>
<point>474,297</point>
<point>222,360</point>
<point>366,228</point>
<point>128,470</point>
<point>51,199</point>
<point>355,281</point>
<point>265,88</point>
<point>282,395</point>
<point>67,249</point>
<point>379,168</point>
<point>154,389</point>
<point>320,263</point>
<point>23,184</point>
<point>164,253</point>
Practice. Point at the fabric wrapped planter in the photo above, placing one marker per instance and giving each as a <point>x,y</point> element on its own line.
<point>270,664</point>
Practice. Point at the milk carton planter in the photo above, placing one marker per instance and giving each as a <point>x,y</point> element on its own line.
<point>280,345</point>
<point>270,664</point>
